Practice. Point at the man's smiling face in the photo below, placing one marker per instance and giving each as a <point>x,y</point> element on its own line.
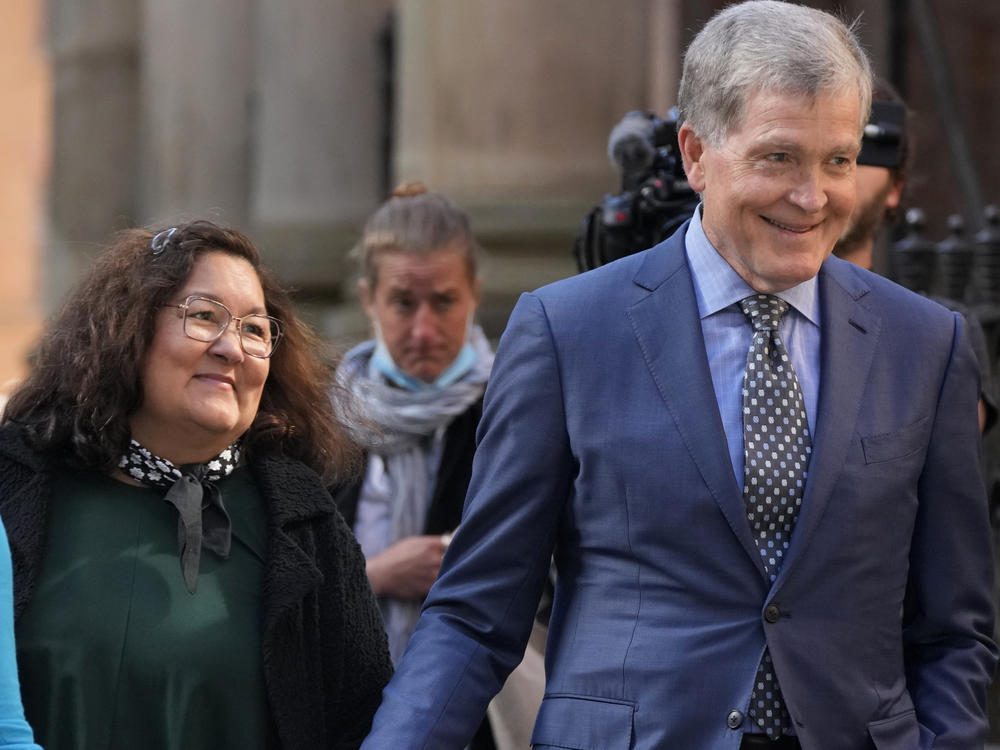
<point>779,190</point>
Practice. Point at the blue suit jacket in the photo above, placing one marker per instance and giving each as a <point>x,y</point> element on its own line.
<point>601,443</point>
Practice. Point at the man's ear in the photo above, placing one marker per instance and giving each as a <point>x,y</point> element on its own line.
<point>895,194</point>
<point>692,150</point>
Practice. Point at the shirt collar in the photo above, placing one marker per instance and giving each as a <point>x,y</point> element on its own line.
<point>717,285</point>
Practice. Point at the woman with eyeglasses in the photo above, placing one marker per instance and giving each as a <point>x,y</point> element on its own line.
<point>182,578</point>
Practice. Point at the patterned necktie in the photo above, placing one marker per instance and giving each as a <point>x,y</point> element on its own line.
<point>776,450</point>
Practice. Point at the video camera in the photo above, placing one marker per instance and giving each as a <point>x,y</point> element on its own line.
<point>883,143</point>
<point>655,199</point>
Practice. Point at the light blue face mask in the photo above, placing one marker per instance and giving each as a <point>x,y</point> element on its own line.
<point>383,363</point>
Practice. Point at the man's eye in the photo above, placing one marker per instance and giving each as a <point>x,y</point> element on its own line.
<point>777,157</point>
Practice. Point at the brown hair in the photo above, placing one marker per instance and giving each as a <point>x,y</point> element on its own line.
<point>415,220</point>
<point>85,381</point>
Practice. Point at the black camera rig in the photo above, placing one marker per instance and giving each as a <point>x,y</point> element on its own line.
<point>655,199</point>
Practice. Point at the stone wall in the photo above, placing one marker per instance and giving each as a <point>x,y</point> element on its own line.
<point>293,120</point>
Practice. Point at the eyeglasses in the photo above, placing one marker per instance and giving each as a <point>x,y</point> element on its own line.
<point>206,320</point>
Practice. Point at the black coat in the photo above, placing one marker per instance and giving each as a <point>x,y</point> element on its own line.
<point>324,652</point>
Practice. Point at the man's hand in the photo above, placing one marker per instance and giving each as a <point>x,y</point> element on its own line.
<point>408,568</point>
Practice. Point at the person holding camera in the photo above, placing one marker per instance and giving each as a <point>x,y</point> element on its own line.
<point>756,465</point>
<point>883,167</point>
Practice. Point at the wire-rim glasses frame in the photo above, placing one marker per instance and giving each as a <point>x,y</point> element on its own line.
<point>258,334</point>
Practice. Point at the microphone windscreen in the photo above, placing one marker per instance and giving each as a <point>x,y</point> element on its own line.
<point>630,144</point>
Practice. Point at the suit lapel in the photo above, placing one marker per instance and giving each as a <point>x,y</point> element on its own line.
<point>666,324</point>
<point>850,334</point>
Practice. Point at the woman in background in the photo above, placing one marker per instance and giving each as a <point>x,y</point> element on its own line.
<point>182,577</point>
<point>420,384</point>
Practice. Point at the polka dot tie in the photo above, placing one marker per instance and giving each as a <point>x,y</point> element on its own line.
<point>776,450</point>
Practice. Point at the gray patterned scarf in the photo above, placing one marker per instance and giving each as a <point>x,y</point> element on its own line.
<point>400,426</point>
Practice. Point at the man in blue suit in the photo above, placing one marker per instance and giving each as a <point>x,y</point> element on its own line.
<point>769,534</point>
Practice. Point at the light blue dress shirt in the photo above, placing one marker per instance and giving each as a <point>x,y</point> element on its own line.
<point>728,334</point>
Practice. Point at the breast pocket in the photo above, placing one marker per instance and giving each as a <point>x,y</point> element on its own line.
<point>889,446</point>
<point>583,723</point>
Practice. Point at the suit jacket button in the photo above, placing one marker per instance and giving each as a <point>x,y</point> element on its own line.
<point>772,613</point>
<point>734,720</point>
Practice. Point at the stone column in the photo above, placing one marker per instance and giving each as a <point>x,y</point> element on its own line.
<point>92,185</point>
<point>664,54</point>
<point>24,152</point>
<point>196,109</point>
<point>515,100</point>
<point>507,107</point>
<point>319,144</point>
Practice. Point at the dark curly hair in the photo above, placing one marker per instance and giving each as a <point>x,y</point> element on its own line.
<point>85,379</point>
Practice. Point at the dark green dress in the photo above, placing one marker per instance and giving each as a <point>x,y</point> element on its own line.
<point>115,653</point>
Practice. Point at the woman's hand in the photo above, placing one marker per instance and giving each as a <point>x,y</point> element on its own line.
<point>408,568</point>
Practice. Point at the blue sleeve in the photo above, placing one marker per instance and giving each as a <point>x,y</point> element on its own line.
<point>478,616</point>
<point>949,650</point>
<point>15,734</point>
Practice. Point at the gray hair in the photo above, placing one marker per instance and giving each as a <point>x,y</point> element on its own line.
<point>768,45</point>
<point>415,220</point>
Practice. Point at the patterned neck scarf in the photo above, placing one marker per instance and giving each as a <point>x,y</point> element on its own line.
<point>202,518</point>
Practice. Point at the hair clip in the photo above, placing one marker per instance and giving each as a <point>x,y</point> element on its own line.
<point>161,240</point>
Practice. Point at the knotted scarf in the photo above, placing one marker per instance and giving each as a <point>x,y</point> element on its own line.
<point>202,518</point>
